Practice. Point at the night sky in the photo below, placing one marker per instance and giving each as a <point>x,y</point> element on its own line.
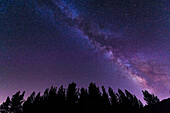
<point>118,43</point>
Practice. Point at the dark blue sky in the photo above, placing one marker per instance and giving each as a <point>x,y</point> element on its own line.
<point>118,43</point>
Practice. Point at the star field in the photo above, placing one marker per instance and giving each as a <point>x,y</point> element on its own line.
<point>118,43</point>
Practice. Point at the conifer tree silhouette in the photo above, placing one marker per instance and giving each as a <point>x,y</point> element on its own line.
<point>61,100</point>
<point>150,99</point>
<point>113,100</point>
<point>137,103</point>
<point>38,103</point>
<point>49,99</point>
<point>123,102</point>
<point>52,99</point>
<point>16,102</point>
<point>72,97</point>
<point>105,101</point>
<point>28,104</point>
<point>89,100</point>
<point>83,100</point>
<point>5,107</point>
<point>132,102</point>
<point>94,98</point>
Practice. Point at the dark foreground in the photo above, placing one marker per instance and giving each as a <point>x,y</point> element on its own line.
<point>91,100</point>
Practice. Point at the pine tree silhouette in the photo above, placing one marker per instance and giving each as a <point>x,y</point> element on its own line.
<point>95,98</point>
<point>61,100</point>
<point>113,100</point>
<point>28,104</point>
<point>132,102</point>
<point>150,99</point>
<point>105,101</point>
<point>72,97</point>
<point>38,104</point>
<point>16,102</point>
<point>5,107</point>
<point>89,100</point>
<point>83,100</point>
<point>123,101</point>
<point>52,99</point>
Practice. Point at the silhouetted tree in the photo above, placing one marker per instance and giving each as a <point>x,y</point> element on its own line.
<point>83,100</point>
<point>122,96</point>
<point>132,102</point>
<point>105,100</point>
<point>95,98</point>
<point>5,107</point>
<point>49,99</point>
<point>113,100</point>
<point>16,102</point>
<point>46,94</point>
<point>72,94</point>
<point>38,98</point>
<point>28,104</point>
<point>123,102</point>
<point>38,103</point>
<point>72,97</point>
<point>61,100</point>
<point>150,98</point>
<point>73,101</point>
<point>52,99</point>
<point>137,103</point>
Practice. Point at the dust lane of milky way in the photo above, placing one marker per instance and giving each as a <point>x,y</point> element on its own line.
<point>132,35</point>
<point>137,67</point>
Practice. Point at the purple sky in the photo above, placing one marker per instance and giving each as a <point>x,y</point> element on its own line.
<point>121,44</point>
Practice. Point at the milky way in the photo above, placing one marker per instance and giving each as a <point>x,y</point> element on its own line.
<point>145,71</point>
<point>132,35</point>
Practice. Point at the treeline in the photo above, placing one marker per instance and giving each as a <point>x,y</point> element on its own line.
<point>74,100</point>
